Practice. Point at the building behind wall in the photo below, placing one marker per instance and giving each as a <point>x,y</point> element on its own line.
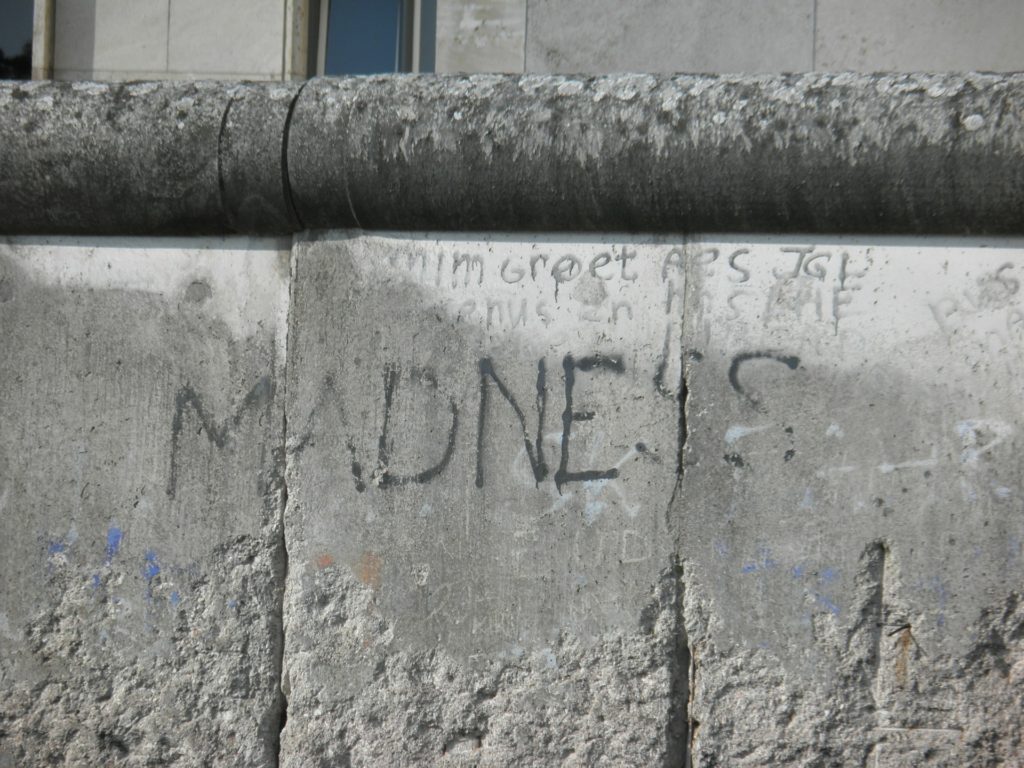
<point>288,39</point>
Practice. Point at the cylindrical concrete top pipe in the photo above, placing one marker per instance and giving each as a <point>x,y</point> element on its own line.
<point>142,158</point>
<point>799,153</point>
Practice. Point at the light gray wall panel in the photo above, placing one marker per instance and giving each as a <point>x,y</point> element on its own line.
<point>480,36</point>
<point>918,35</point>
<point>573,36</point>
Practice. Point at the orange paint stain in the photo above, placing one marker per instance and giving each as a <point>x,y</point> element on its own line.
<point>903,656</point>
<point>368,569</point>
<point>324,560</point>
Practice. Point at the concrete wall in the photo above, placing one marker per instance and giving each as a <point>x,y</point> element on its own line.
<point>576,36</point>
<point>142,495</point>
<point>483,500</point>
<point>353,496</point>
<point>179,39</point>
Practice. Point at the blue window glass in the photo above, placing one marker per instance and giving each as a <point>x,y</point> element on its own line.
<point>428,34</point>
<point>364,37</point>
<point>15,39</point>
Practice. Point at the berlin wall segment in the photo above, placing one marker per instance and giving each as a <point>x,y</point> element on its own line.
<point>141,479</point>
<point>849,543</point>
<point>485,523</point>
<point>483,443</point>
<point>508,541</point>
<point>850,520</point>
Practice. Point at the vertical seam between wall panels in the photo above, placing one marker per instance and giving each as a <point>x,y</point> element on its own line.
<point>282,696</point>
<point>687,657</point>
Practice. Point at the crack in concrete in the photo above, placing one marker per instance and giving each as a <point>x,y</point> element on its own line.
<point>880,553</point>
<point>281,467</point>
<point>678,729</point>
<point>285,177</point>
<point>221,184</point>
<point>679,742</point>
<point>282,698</point>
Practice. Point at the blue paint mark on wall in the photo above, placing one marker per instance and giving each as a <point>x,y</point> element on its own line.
<point>175,598</point>
<point>764,562</point>
<point>95,581</point>
<point>832,607</point>
<point>152,568</point>
<point>114,537</point>
<point>766,558</point>
<point>828,575</point>
<point>232,603</point>
<point>1013,549</point>
<point>941,592</point>
<point>55,547</point>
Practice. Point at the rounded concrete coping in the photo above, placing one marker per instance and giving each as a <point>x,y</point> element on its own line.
<point>836,153</point>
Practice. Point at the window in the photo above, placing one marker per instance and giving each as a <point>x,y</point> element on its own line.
<point>364,37</point>
<point>15,39</point>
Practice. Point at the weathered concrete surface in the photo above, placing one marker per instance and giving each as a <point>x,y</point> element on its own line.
<point>812,153</point>
<point>849,519</point>
<point>483,443</point>
<point>91,158</point>
<point>255,194</point>
<point>845,153</point>
<point>900,154</point>
<point>141,550</point>
<point>818,561</point>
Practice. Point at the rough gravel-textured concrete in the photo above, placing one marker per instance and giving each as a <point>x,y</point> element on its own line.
<point>141,548</point>
<point>483,441</point>
<point>850,153</point>
<point>517,499</point>
<point>253,175</point>
<point>111,159</point>
<point>550,500</point>
<point>813,153</point>
<point>849,516</point>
